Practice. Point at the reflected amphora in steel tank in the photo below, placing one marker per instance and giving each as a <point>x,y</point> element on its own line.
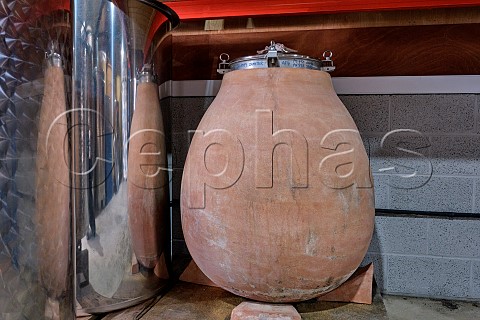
<point>71,118</point>
<point>277,199</point>
<point>119,164</point>
<point>36,260</point>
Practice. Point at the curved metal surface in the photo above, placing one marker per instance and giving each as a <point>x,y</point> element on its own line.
<point>168,12</point>
<point>107,57</point>
<point>284,61</point>
<point>40,131</point>
<point>35,283</point>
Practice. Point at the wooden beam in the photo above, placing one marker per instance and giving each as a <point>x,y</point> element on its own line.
<point>208,9</point>
<point>379,51</point>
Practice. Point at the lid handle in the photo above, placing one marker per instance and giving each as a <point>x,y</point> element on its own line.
<point>276,47</point>
<point>327,62</point>
<point>53,56</point>
<point>147,74</point>
<point>224,65</point>
<point>271,53</point>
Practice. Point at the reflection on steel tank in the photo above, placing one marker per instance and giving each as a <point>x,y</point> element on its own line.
<point>36,263</point>
<point>67,99</point>
<point>52,188</point>
<point>148,176</point>
<point>120,198</point>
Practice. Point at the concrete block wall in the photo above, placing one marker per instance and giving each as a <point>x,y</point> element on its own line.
<point>438,168</point>
<point>414,254</point>
<point>426,256</point>
<point>429,162</point>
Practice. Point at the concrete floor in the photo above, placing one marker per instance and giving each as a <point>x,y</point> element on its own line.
<point>407,308</point>
<point>195,302</point>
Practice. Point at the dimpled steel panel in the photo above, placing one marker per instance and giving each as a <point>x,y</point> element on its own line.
<point>24,34</point>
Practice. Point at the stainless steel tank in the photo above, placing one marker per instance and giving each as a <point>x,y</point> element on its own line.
<point>119,167</point>
<point>69,73</point>
<point>36,255</point>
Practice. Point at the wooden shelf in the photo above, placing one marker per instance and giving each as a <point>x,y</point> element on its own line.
<point>207,9</point>
<point>401,43</point>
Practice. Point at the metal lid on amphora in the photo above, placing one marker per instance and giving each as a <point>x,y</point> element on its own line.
<point>276,55</point>
<point>52,56</point>
<point>147,74</point>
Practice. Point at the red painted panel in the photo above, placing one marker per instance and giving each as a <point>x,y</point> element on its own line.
<point>48,6</point>
<point>202,9</point>
<point>156,23</point>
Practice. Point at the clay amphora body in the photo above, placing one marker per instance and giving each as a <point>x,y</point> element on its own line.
<point>277,198</point>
